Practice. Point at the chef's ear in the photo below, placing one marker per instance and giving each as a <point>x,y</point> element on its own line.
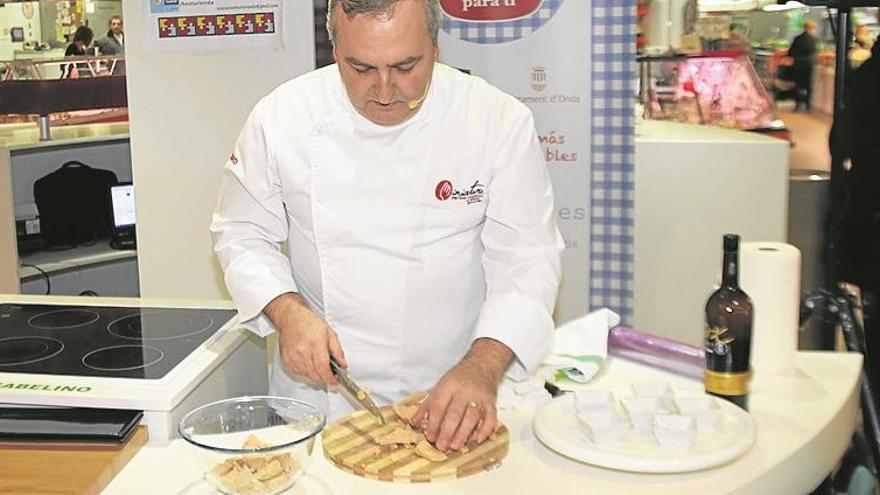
<point>334,55</point>
<point>436,52</point>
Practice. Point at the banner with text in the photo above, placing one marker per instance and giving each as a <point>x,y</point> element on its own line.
<point>201,25</point>
<point>539,51</point>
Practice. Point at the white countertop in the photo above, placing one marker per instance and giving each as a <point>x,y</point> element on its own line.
<point>128,302</point>
<point>661,131</point>
<point>58,261</point>
<point>804,423</point>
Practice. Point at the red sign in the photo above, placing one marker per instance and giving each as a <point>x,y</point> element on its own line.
<point>490,10</point>
<point>443,190</point>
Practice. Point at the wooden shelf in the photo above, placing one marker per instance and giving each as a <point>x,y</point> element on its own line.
<point>71,259</point>
<point>66,468</point>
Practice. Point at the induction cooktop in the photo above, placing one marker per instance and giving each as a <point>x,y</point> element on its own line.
<point>118,342</point>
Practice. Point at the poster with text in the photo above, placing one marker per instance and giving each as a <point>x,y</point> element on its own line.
<point>539,52</point>
<point>202,25</point>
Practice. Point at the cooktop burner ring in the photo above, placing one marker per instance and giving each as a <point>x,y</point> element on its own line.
<point>196,327</point>
<point>34,321</point>
<point>158,355</point>
<point>51,348</point>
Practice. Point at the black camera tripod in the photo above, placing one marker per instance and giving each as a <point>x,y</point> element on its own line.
<point>837,309</point>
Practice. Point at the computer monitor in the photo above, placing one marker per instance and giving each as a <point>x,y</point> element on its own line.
<point>123,205</point>
<point>124,217</point>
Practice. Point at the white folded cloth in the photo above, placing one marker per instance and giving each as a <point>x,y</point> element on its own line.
<point>579,350</point>
<point>524,396</point>
<point>580,346</point>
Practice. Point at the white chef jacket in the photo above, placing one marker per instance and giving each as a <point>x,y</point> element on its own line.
<point>411,241</point>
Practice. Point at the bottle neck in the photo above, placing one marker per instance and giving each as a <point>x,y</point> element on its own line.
<point>730,271</point>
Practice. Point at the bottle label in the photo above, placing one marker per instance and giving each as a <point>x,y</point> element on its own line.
<point>718,341</point>
<point>727,383</point>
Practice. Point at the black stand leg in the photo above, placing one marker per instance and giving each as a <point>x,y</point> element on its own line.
<point>839,306</point>
<point>854,336</point>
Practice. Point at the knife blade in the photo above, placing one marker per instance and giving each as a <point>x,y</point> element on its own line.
<point>358,393</point>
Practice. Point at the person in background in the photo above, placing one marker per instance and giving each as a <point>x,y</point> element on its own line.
<point>860,51</point>
<point>863,37</point>
<point>739,37</point>
<point>803,54</point>
<point>855,137</point>
<point>114,42</point>
<point>861,257</point>
<point>417,208</point>
<point>82,38</point>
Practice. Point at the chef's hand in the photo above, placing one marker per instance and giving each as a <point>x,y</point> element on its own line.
<point>461,406</point>
<point>305,341</point>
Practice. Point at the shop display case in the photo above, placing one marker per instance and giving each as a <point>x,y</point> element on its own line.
<point>93,90</point>
<point>767,63</point>
<point>51,68</point>
<point>717,88</point>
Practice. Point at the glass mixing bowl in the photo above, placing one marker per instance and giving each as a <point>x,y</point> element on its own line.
<point>253,445</point>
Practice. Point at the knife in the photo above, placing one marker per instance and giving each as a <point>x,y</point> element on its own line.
<point>358,393</point>
<point>553,390</point>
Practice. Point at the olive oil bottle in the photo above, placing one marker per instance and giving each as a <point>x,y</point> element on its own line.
<point>728,339</point>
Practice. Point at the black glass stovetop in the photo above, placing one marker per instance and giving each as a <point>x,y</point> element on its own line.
<point>116,342</point>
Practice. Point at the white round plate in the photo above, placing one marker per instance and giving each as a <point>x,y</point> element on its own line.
<point>557,427</point>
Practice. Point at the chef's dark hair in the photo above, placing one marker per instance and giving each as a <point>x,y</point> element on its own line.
<point>383,8</point>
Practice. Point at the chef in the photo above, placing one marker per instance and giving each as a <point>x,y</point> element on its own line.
<point>396,214</point>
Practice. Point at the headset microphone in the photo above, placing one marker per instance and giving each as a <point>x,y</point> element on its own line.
<point>413,104</point>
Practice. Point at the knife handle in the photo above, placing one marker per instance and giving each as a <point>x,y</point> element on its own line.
<point>335,367</point>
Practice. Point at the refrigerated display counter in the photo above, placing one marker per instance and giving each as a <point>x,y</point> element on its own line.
<point>714,88</point>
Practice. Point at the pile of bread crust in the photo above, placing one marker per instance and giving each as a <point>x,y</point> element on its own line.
<point>256,474</point>
<point>405,436</point>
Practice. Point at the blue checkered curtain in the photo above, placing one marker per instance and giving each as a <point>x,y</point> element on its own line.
<point>613,147</point>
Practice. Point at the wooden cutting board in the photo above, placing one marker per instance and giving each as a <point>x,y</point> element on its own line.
<point>65,468</point>
<point>348,444</point>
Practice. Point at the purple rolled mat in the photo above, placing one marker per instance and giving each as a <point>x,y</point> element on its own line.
<point>658,352</point>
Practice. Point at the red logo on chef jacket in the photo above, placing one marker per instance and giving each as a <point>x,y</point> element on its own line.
<point>489,10</point>
<point>443,190</point>
<point>473,194</point>
<point>233,159</point>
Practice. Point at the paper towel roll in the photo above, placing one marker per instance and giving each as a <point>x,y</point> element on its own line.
<point>770,274</point>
